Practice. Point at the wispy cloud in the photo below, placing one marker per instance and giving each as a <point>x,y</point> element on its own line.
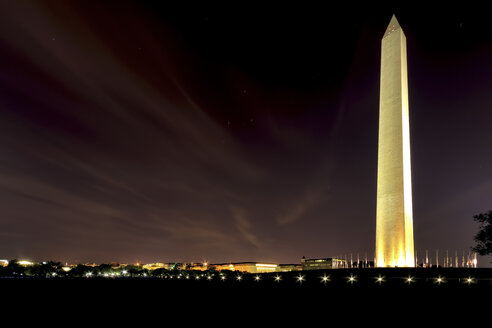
<point>299,208</point>
<point>244,225</point>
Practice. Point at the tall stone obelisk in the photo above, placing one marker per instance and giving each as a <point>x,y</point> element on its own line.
<point>394,222</point>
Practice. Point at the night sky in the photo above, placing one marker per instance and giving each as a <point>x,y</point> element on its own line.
<point>139,131</point>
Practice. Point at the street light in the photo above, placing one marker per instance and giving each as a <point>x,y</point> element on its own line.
<point>325,279</point>
<point>439,280</point>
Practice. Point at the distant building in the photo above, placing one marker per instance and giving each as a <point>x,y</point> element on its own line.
<point>250,267</point>
<point>322,264</point>
<point>153,266</point>
<point>4,263</point>
<point>289,267</point>
<point>197,266</point>
<point>175,266</point>
<point>91,264</point>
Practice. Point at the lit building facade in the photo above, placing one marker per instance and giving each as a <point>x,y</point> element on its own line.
<point>154,266</point>
<point>322,264</point>
<point>250,267</point>
<point>289,267</point>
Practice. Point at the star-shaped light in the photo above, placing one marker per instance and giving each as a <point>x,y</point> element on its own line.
<point>325,279</point>
<point>352,279</point>
<point>439,280</point>
<point>300,278</point>
<point>409,280</point>
<point>380,279</point>
<point>257,278</point>
<point>277,278</point>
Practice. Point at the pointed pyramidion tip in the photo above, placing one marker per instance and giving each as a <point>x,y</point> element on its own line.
<point>392,26</point>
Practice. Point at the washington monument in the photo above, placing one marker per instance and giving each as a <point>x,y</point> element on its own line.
<point>394,222</point>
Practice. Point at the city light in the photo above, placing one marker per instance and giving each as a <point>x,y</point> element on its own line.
<point>352,279</point>
<point>300,278</point>
<point>439,280</point>
<point>325,279</point>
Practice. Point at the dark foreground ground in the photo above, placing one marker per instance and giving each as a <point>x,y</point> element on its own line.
<point>461,294</point>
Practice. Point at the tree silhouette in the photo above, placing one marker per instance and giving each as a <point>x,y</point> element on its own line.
<point>483,238</point>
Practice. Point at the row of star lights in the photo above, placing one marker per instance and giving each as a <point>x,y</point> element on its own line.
<point>324,279</point>
<point>299,278</point>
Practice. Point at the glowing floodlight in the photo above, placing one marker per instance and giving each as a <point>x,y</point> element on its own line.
<point>325,279</point>
<point>439,280</point>
<point>300,278</point>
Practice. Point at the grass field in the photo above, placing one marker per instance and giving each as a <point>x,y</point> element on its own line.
<point>457,292</point>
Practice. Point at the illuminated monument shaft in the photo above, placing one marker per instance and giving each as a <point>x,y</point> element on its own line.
<point>394,222</point>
